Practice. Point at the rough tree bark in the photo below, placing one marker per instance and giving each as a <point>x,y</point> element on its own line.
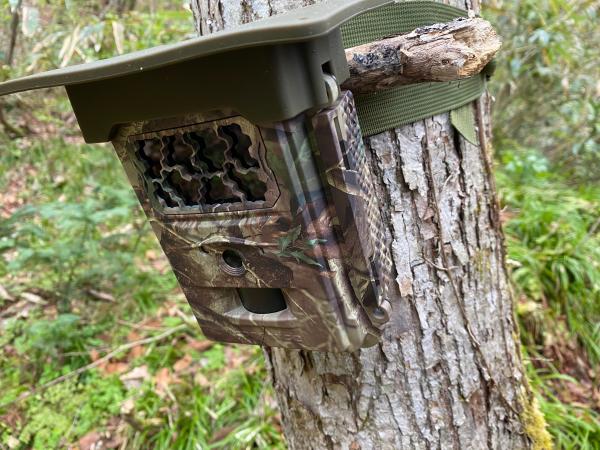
<point>448,372</point>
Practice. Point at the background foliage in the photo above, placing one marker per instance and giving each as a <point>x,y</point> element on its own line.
<point>547,142</point>
<point>82,278</point>
<point>548,82</point>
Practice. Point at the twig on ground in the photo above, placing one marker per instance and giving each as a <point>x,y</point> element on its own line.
<point>99,362</point>
<point>139,326</point>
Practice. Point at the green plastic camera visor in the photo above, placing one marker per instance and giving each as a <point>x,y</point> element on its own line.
<point>267,71</point>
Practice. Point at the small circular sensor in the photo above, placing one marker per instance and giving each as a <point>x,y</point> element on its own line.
<point>232,263</point>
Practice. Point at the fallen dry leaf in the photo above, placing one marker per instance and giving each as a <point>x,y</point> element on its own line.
<point>88,441</point>
<point>106,337</point>
<point>154,422</point>
<point>18,310</point>
<point>236,357</point>
<point>115,367</point>
<point>127,406</point>
<point>199,346</point>
<point>13,442</point>
<point>10,199</point>
<point>135,352</point>
<point>152,323</point>
<point>4,294</point>
<point>94,355</point>
<point>135,377</point>
<point>182,364</point>
<point>162,380</point>
<point>11,419</point>
<point>221,434</point>
<point>33,298</point>
<point>173,310</point>
<point>113,442</point>
<point>201,380</point>
<point>596,399</point>
<point>133,336</point>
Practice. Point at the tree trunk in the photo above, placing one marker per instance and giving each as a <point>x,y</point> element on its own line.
<point>448,372</point>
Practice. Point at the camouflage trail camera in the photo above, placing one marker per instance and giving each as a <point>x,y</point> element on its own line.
<point>250,165</point>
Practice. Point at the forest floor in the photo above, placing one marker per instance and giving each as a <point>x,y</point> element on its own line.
<point>98,347</point>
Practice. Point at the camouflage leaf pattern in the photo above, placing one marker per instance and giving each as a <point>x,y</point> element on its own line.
<point>287,207</point>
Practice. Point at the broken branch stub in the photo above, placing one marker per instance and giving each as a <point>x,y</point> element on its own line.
<point>442,52</point>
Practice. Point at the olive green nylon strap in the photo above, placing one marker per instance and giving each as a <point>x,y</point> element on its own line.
<point>463,120</point>
<point>391,108</point>
<point>388,109</point>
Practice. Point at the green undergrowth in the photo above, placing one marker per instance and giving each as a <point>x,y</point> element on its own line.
<point>546,84</point>
<point>547,129</point>
<point>554,244</point>
<point>573,425</point>
<point>553,239</point>
<point>81,275</point>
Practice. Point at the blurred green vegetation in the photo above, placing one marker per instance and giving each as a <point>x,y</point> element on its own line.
<point>81,275</point>
<point>548,81</point>
<point>547,143</point>
<point>553,242</point>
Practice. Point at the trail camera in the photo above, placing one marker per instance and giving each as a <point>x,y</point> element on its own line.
<point>250,164</point>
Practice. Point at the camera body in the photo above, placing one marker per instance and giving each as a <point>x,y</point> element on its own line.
<point>274,231</point>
